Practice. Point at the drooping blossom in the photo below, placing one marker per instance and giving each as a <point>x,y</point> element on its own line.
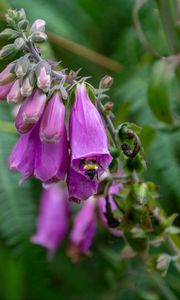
<point>113,190</point>
<point>52,222</point>
<point>79,186</point>
<point>52,160</point>
<point>22,155</point>
<point>52,123</point>
<point>31,111</point>
<point>14,96</point>
<point>6,76</point>
<point>87,133</point>
<point>4,90</point>
<point>83,231</point>
<point>46,162</point>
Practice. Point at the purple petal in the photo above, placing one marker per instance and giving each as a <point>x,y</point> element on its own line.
<point>22,156</point>
<point>14,95</point>
<point>4,90</point>
<point>6,76</point>
<point>84,227</point>
<point>80,187</point>
<point>30,111</point>
<point>52,160</point>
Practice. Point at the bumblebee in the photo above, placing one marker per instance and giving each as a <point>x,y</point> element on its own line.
<point>90,167</point>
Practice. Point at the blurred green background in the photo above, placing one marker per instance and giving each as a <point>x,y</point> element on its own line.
<point>79,31</point>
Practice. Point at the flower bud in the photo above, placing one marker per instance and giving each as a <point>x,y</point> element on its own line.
<point>108,106</point>
<point>9,33</point>
<point>38,25</point>
<point>7,51</point>
<point>7,76</point>
<point>43,73</point>
<point>19,43</point>
<point>28,85</point>
<point>22,66</point>
<point>30,111</point>
<point>39,37</point>
<point>14,95</point>
<point>21,15</point>
<point>106,82</point>
<point>23,24</point>
<point>52,123</point>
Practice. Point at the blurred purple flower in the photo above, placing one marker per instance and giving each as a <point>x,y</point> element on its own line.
<point>84,230</point>
<point>52,123</point>
<point>52,223</point>
<point>87,133</point>
<point>114,190</point>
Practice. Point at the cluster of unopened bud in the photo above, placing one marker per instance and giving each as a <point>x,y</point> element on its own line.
<point>18,23</point>
<point>24,76</point>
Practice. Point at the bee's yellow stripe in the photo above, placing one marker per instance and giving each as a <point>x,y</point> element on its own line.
<point>90,167</point>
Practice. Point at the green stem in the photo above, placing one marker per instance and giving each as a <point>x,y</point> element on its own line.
<point>174,248</point>
<point>7,127</point>
<point>169,16</point>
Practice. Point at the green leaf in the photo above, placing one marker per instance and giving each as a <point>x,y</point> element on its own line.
<point>17,209</point>
<point>137,239</point>
<point>146,136</point>
<point>159,263</point>
<point>158,91</point>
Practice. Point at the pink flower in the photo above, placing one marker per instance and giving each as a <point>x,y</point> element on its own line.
<point>43,76</point>
<point>4,90</point>
<point>31,111</point>
<point>31,157</point>
<point>52,123</point>
<point>38,25</point>
<point>22,156</point>
<point>7,76</point>
<point>52,160</point>
<point>14,96</point>
<point>52,223</point>
<point>88,139</point>
<point>27,87</point>
<point>84,230</point>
